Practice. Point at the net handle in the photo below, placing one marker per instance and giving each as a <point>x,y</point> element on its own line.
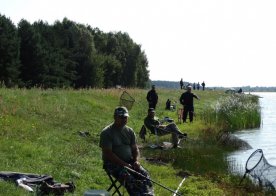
<point>256,151</point>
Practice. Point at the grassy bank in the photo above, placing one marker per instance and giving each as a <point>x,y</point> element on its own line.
<point>40,134</point>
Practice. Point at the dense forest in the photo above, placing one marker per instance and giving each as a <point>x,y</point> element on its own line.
<point>68,54</point>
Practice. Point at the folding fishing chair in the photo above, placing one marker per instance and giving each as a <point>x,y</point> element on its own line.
<point>156,134</point>
<point>115,184</point>
<point>144,130</point>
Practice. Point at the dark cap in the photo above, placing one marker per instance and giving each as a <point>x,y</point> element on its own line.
<point>121,111</point>
<point>151,110</point>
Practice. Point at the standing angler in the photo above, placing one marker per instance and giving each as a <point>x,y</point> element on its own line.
<point>187,100</point>
<point>181,83</point>
<point>152,97</point>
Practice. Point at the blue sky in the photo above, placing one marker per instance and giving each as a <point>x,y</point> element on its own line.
<point>222,42</point>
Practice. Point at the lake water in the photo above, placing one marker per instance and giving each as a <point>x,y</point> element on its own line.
<point>262,138</point>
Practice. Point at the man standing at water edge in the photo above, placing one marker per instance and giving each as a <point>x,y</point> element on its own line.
<point>119,150</point>
<point>187,100</point>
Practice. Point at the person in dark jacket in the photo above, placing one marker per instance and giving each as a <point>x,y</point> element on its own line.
<point>187,100</point>
<point>168,104</point>
<point>198,86</point>
<point>203,85</point>
<point>181,83</point>
<point>194,86</point>
<point>152,97</point>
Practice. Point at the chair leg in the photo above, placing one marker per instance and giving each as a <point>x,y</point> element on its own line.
<point>113,184</point>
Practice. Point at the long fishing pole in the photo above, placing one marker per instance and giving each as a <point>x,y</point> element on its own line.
<point>179,186</point>
<point>131,170</point>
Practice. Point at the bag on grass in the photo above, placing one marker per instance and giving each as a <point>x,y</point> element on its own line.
<point>42,184</point>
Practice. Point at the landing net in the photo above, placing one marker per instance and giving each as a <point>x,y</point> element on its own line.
<point>260,170</point>
<point>127,100</point>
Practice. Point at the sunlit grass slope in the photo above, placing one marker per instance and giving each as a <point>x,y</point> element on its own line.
<point>39,133</point>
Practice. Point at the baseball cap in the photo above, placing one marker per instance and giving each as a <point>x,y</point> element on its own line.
<point>121,111</point>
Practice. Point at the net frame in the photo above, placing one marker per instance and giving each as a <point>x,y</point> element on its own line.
<point>261,172</point>
<point>126,100</point>
<point>251,157</point>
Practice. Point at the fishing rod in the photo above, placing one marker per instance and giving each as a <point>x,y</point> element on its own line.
<point>179,186</point>
<point>133,171</point>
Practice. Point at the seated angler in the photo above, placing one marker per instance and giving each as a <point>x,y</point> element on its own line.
<point>153,124</point>
<point>168,104</point>
<point>120,151</point>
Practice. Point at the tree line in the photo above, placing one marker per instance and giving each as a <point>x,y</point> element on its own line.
<point>68,54</point>
<point>175,85</point>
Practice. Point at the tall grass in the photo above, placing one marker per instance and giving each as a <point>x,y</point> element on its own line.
<point>235,112</point>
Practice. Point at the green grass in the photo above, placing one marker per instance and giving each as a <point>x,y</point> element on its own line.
<point>39,134</point>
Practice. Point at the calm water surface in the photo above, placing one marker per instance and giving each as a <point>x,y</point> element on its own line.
<point>262,138</point>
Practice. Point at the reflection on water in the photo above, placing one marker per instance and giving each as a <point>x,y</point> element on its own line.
<point>262,138</point>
